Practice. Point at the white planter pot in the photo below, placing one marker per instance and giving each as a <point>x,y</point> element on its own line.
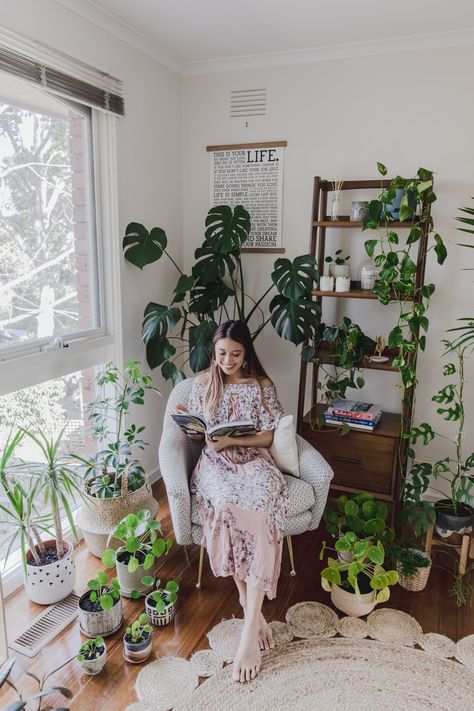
<point>101,623</point>
<point>352,604</point>
<point>137,653</point>
<point>94,666</point>
<point>131,581</point>
<point>340,270</point>
<point>47,584</point>
<point>159,618</point>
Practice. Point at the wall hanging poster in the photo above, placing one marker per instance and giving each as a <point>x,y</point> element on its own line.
<point>251,174</point>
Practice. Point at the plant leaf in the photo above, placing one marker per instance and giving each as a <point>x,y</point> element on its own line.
<point>141,247</point>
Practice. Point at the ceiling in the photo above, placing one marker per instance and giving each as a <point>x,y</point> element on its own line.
<point>190,34</point>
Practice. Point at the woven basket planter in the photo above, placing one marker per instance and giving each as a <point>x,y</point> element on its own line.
<point>351,604</point>
<point>418,581</point>
<point>97,518</point>
<point>159,619</point>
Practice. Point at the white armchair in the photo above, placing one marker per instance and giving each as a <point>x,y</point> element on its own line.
<point>178,456</point>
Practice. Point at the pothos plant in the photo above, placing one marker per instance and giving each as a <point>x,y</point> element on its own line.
<point>454,468</point>
<point>214,291</point>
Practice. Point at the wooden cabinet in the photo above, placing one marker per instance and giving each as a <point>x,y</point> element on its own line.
<point>362,461</point>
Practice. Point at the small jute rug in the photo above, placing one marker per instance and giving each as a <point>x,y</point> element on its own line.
<point>334,667</point>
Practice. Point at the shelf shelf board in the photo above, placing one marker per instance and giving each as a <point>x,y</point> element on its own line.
<point>389,425</point>
<point>345,221</point>
<point>326,358</point>
<point>353,293</point>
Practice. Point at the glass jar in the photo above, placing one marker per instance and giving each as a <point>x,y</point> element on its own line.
<point>368,274</point>
<point>335,207</point>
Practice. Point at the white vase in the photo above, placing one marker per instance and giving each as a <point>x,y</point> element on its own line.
<point>343,284</point>
<point>47,584</point>
<point>340,270</point>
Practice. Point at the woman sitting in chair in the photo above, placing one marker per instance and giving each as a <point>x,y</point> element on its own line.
<point>242,496</point>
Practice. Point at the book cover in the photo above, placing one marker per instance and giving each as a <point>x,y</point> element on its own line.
<point>194,424</point>
<point>355,409</point>
<point>356,420</point>
<point>353,425</point>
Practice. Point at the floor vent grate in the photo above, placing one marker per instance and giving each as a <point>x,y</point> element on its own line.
<point>46,626</point>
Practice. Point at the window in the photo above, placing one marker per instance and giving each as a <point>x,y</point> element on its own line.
<point>49,278</point>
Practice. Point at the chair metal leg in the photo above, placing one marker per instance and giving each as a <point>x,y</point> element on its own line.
<point>201,560</point>
<point>290,552</point>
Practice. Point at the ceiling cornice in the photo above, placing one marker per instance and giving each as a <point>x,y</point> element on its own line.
<point>116,27</point>
<point>121,30</point>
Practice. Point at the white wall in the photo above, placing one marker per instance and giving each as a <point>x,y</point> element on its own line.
<point>340,118</point>
<point>148,160</point>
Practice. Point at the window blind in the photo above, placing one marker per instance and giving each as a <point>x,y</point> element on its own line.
<point>64,75</point>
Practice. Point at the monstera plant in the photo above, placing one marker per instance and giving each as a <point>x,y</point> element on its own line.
<point>214,291</point>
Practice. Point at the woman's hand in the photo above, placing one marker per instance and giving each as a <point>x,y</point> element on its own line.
<point>219,443</point>
<point>180,408</point>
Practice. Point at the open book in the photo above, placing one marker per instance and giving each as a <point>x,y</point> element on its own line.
<point>193,424</point>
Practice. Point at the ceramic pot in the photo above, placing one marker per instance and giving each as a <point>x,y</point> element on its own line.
<point>102,623</point>
<point>159,619</point>
<point>94,666</point>
<point>137,653</point>
<point>340,270</point>
<point>47,584</point>
<point>131,581</point>
<point>352,604</point>
<point>447,523</point>
<point>393,208</point>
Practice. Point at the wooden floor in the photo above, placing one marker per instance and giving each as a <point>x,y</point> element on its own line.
<point>198,611</point>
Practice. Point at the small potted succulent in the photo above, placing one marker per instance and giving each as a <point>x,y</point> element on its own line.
<point>160,604</point>
<point>100,607</point>
<point>140,548</point>
<point>137,640</point>
<point>357,587</point>
<point>92,656</point>
<point>412,565</point>
<point>338,265</point>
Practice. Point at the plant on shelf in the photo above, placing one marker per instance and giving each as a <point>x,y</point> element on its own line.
<point>338,265</point>
<point>340,352</point>
<point>454,513</point>
<point>141,547</point>
<point>100,607</point>
<point>357,586</point>
<point>160,603</point>
<point>34,702</point>
<point>412,565</point>
<point>137,640</point>
<point>214,291</point>
<point>92,656</point>
<point>360,513</point>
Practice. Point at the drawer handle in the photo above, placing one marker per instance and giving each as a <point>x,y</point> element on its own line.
<point>351,460</point>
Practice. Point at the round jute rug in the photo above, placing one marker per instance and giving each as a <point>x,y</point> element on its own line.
<point>341,675</point>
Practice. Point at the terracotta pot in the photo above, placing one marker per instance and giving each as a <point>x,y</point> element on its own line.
<point>47,584</point>
<point>94,666</point>
<point>102,623</point>
<point>137,653</point>
<point>159,619</point>
<point>352,604</point>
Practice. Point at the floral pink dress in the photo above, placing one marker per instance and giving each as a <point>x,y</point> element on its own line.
<point>242,496</point>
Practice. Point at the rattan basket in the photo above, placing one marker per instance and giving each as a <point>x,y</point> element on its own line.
<point>352,604</point>
<point>418,581</point>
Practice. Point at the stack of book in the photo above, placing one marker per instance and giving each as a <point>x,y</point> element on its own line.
<point>358,415</point>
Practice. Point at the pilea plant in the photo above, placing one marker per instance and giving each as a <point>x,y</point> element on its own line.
<point>338,258</point>
<point>454,468</point>
<point>103,592</point>
<point>139,630</point>
<point>362,514</point>
<point>215,291</point>
<point>139,536</point>
<point>161,596</point>
<point>91,649</point>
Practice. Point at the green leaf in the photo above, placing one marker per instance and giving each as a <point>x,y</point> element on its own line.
<point>332,575</point>
<point>370,245</point>
<point>227,229</point>
<point>141,247</point>
<point>414,235</point>
<point>381,168</point>
<point>440,249</point>
<point>406,213</point>
<point>342,545</point>
<point>159,320</point>
<point>147,564</point>
<point>295,321</point>
<point>295,279</point>
<point>106,602</point>
<point>351,508</point>
<point>200,345</point>
<point>132,564</point>
<point>383,596</point>
<point>159,547</point>
<point>93,585</point>
<point>376,555</point>
<point>109,558</point>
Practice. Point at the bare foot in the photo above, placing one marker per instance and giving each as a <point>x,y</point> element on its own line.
<point>248,659</point>
<point>265,637</point>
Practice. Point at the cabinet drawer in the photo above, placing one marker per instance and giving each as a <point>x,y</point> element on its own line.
<point>360,460</point>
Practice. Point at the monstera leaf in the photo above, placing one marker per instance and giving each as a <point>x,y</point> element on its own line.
<point>294,321</point>
<point>158,321</point>
<point>295,279</point>
<point>200,345</point>
<point>227,229</point>
<point>208,298</point>
<point>141,247</point>
<point>212,265</point>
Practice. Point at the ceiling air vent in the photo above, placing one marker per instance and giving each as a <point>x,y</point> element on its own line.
<point>248,102</point>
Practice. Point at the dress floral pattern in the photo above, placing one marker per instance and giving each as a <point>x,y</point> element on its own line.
<point>241,494</point>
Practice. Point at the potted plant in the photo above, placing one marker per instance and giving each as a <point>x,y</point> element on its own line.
<point>412,565</point>
<point>140,548</point>
<point>137,640</point>
<point>37,494</point>
<point>357,587</point>
<point>92,656</point>
<point>160,604</point>
<point>454,516</point>
<point>100,607</point>
<point>34,702</point>
<point>338,265</point>
<point>115,481</point>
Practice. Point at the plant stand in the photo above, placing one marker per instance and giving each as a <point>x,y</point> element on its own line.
<point>465,549</point>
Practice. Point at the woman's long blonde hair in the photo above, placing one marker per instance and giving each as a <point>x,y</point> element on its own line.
<point>252,368</point>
